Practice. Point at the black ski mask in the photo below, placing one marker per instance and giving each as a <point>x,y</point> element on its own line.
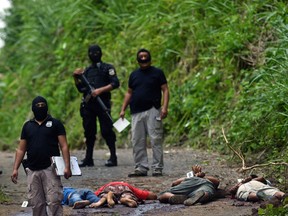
<point>40,113</point>
<point>95,53</point>
<point>146,60</point>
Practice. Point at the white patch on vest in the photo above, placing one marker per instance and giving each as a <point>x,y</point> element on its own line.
<point>49,124</point>
<point>111,72</point>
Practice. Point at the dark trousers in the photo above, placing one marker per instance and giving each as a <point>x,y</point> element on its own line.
<point>89,113</point>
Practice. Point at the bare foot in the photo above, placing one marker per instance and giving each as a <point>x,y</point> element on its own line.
<point>81,204</point>
<point>110,200</point>
<point>101,202</point>
<point>128,202</point>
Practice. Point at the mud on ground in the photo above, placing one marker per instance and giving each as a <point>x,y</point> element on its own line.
<point>177,163</point>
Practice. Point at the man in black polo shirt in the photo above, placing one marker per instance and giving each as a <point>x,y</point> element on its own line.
<point>146,86</point>
<point>41,138</point>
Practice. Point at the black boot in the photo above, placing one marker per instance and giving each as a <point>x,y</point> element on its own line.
<point>111,162</point>
<point>86,162</point>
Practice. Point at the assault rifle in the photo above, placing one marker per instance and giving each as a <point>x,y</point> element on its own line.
<point>89,95</point>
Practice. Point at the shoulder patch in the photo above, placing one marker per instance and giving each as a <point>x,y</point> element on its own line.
<point>111,72</point>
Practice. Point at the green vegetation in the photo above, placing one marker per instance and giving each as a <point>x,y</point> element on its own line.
<point>271,210</point>
<point>3,197</point>
<point>226,63</point>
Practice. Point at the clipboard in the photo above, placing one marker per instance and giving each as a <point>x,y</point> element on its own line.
<point>60,165</point>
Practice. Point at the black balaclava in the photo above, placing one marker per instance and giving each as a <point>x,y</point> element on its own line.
<point>143,61</point>
<point>40,113</point>
<point>95,53</point>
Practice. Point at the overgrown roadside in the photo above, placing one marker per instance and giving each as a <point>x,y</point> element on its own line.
<point>177,163</point>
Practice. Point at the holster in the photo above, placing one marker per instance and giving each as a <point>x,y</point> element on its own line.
<point>25,164</point>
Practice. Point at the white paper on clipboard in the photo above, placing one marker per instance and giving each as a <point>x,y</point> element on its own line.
<point>60,165</point>
<point>121,124</point>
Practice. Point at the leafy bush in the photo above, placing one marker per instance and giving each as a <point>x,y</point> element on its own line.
<point>271,211</point>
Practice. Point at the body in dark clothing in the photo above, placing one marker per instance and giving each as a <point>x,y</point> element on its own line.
<point>102,77</point>
<point>191,190</point>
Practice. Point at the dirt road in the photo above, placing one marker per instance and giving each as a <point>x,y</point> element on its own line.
<point>177,163</point>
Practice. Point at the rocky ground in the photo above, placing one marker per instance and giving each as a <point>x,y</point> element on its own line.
<point>177,163</point>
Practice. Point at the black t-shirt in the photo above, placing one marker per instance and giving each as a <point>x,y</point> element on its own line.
<point>42,141</point>
<point>146,89</point>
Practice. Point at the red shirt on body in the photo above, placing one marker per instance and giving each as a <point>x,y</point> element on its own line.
<point>140,194</point>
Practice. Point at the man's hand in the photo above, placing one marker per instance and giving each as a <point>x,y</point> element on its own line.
<point>78,71</point>
<point>174,183</point>
<point>14,176</point>
<point>177,182</point>
<point>196,169</point>
<point>234,189</point>
<point>164,113</point>
<point>96,92</point>
<point>200,174</point>
<point>67,173</point>
<point>122,114</point>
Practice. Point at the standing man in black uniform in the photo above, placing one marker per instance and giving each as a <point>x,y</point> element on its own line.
<point>41,138</point>
<point>102,77</point>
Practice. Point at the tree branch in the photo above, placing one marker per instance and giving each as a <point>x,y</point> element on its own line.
<point>241,156</point>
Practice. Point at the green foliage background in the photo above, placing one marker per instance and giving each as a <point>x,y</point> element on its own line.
<point>226,64</point>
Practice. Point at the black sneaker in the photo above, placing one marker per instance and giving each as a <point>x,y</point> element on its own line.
<point>111,162</point>
<point>88,163</point>
<point>137,173</point>
<point>157,173</point>
<point>194,199</point>
<point>177,199</point>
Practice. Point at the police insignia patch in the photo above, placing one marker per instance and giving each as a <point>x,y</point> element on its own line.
<point>49,124</point>
<point>111,72</point>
